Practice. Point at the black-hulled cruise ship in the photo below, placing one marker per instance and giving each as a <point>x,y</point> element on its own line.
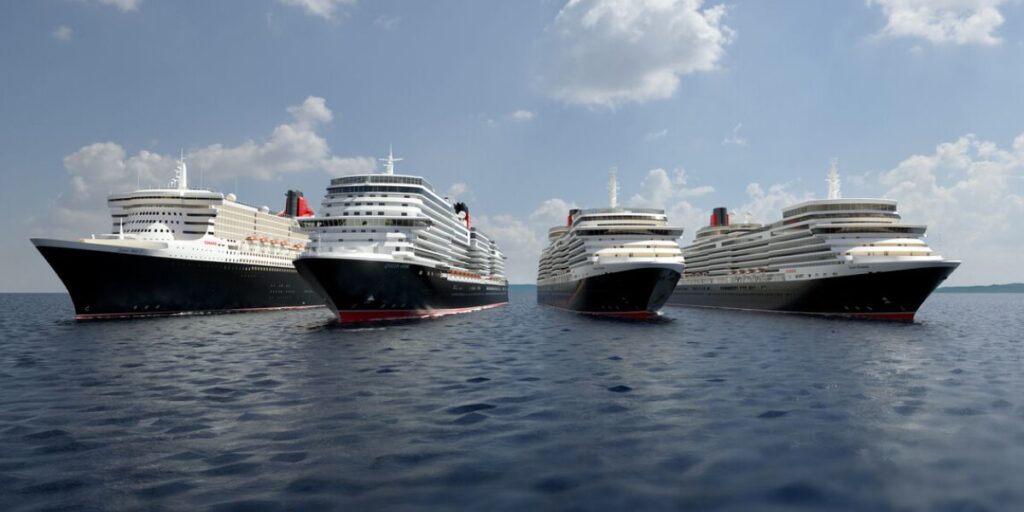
<point>387,247</point>
<point>621,262</point>
<point>836,257</point>
<point>178,250</point>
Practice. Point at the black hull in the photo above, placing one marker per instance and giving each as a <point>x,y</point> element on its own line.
<point>892,295</point>
<point>636,293</point>
<point>360,291</point>
<point>105,284</point>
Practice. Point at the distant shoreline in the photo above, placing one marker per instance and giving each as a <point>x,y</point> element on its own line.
<point>992,288</point>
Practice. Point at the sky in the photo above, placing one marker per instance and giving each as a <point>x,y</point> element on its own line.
<point>520,108</point>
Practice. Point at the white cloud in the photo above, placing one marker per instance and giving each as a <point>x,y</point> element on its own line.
<point>970,193</point>
<point>609,52</point>
<point>671,193</point>
<point>320,8</point>
<point>311,112</point>
<point>765,205</point>
<point>62,33</point>
<point>942,21</point>
<point>659,190</point>
<point>291,147</point>
<point>522,241</point>
<point>521,115</point>
<point>124,5</point>
<point>102,168</point>
<point>734,138</point>
<point>457,190</point>
<point>655,135</point>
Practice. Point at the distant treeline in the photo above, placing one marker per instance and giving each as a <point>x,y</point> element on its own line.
<point>992,288</point>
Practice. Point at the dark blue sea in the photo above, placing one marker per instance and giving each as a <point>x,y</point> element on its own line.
<point>516,408</point>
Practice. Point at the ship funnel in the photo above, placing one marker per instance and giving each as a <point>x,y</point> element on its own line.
<point>295,205</point>
<point>720,216</point>
<point>462,212</point>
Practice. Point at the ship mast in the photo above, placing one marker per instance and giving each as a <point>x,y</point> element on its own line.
<point>833,179</point>
<point>389,162</point>
<point>181,173</point>
<point>613,189</point>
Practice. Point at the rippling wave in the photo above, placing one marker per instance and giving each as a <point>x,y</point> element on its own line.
<point>515,408</point>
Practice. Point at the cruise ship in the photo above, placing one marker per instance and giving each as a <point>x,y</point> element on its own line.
<point>388,247</point>
<point>621,262</point>
<point>177,250</point>
<point>835,257</point>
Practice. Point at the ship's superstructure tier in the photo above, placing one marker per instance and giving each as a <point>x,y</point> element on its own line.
<point>177,250</point>
<point>202,225</point>
<point>597,241</point>
<point>400,218</point>
<point>813,239</point>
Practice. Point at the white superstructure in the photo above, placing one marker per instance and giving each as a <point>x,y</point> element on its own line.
<point>400,218</point>
<point>191,224</point>
<point>814,239</point>
<point>606,240</point>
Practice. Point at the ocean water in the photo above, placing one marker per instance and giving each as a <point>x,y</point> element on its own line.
<point>515,408</point>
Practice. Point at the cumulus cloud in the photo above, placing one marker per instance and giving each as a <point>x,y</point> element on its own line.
<point>942,21</point>
<point>658,189</point>
<point>609,52</point>
<point>522,240</point>
<point>291,147</point>
<point>320,8</point>
<point>458,190</point>
<point>62,33</point>
<point>101,168</point>
<point>124,5</point>
<point>765,204</point>
<point>970,193</point>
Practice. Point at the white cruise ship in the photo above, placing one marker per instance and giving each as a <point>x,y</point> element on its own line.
<point>178,250</point>
<point>613,261</point>
<point>842,257</point>
<point>387,246</point>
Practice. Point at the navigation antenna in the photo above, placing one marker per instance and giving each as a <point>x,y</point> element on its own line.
<point>833,179</point>
<point>389,162</point>
<point>613,188</point>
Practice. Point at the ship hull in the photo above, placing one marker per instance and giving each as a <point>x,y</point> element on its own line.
<point>890,295</point>
<point>363,291</point>
<point>106,284</point>
<point>634,293</point>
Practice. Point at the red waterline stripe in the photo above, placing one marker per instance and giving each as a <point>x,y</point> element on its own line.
<point>897,317</point>
<point>357,316</point>
<point>632,315</point>
<point>141,314</point>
